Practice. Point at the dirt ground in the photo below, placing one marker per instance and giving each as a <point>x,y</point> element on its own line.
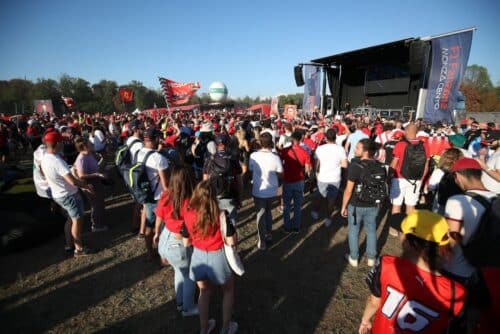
<point>301,284</point>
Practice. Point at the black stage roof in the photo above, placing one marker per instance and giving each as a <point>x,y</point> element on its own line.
<point>392,51</point>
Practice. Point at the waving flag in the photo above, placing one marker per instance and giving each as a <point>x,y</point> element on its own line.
<point>177,93</point>
<point>126,95</point>
<point>68,101</point>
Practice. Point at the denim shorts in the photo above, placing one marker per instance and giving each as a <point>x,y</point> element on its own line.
<point>150,214</point>
<point>209,266</point>
<point>328,190</point>
<point>72,204</point>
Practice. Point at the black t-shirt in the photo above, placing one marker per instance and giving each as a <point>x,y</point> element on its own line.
<point>354,174</point>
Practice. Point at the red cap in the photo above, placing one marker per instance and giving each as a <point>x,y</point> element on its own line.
<point>465,163</point>
<point>52,137</point>
<point>397,134</point>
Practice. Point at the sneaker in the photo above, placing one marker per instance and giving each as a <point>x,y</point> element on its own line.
<point>269,239</point>
<point>280,209</point>
<point>194,311</point>
<point>295,231</point>
<point>261,245</point>
<point>231,329</point>
<point>370,262</point>
<point>83,252</point>
<point>69,249</point>
<point>140,236</point>
<point>211,326</point>
<point>393,232</point>
<point>179,307</point>
<point>315,215</point>
<point>101,228</point>
<point>353,263</point>
<point>328,222</point>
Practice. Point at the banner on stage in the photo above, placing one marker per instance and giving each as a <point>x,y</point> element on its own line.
<point>312,95</point>
<point>177,93</point>
<point>449,61</point>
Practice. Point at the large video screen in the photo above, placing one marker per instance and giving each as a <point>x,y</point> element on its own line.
<point>387,79</point>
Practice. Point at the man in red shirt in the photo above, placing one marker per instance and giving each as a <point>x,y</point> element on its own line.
<point>410,165</point>
<point>296,162</point>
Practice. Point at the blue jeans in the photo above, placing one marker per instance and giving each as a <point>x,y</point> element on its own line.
<point>179,258</point>
<point>293,191</point>
<point>367,216</point>
<point>150,214</point>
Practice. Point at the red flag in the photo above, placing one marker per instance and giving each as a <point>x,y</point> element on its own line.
<point>68,101</point>
<point>126,95</point>
<point>177,93</point>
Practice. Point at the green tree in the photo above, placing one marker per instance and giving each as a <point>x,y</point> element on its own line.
<point>104,91</point>
<point>478,77</point>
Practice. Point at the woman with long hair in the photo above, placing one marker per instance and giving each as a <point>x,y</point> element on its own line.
<point>209,266</point>
<point>408,293</point>
<point>168,236</point>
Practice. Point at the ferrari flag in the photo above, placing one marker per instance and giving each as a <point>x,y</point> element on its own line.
<point>126,95</point>
<point>177,93</point>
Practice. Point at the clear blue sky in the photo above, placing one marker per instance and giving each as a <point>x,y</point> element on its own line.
<point>252,46</point>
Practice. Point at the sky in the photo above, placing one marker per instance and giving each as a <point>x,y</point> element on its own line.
<point>251,46</point>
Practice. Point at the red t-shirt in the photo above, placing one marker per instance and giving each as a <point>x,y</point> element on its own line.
<point>310,143</point>
<point>212,242</point>
<point>399,152</point>
<point>170,140</point>
<point>412,300</point>
<point>165,210</point>
<point>437,145</point>
<point>293,163</point>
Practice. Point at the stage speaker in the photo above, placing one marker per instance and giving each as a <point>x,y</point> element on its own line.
<point>419,57</point>
<point>299,79</point>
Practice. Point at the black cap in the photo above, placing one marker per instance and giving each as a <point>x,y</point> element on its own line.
<point>152,133</point>
<point>134,124</point>
<point>222,139</point>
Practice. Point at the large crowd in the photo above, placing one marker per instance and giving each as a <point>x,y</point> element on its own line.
<point>187,171</point>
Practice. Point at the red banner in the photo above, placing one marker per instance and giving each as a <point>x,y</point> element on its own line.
<point>126,95</point>
<point>177,93</point>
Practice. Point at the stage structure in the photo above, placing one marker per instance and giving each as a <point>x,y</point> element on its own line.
<point>390,79</point>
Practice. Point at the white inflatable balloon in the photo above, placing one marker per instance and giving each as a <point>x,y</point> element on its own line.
<point>217,91</point>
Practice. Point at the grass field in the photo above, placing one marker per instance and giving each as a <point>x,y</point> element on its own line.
<point>301,284</point>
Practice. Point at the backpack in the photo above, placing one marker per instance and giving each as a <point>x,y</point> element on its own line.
<point>414,161</point>
<point>389,149</point>
<point>137,181</point>
<point>483,247</point>
<point>219,171</point>
<point>123,156</point>
<point>373,187</point>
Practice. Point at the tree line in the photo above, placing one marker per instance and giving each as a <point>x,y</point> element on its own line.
<point>17,95</point>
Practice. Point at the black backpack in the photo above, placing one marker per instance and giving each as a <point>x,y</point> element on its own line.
<point>123,156</point>
<point>414,161</point>
<point>372,187</point>
<point>220,174</point>
<point>137,181</point>
<point>483,247</point>
<point>389,149</point>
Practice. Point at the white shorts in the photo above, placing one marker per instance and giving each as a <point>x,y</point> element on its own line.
<point>403,190</point>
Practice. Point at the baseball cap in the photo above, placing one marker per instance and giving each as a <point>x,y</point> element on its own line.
<point>152,133</point>
<point>426,225</point>
<point>397,134</point>
<point>221,139</point>
<point>207,127</point>
<point>52,137</point>
<point>134,124</point>
<point>465,163</point>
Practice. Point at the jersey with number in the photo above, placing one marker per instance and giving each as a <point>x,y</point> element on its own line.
<point>412,300</point>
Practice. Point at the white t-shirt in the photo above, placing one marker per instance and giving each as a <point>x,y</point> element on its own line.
<point>340,139</point>
<point>156,162</point>
<point>330,157</point>
<point>134,148</point>
<point>285,140</point>
<point>488,181</point>
<point>265,165</point>
<point>99,140</point>
<point>55,168</point>
<point>468,211</point>
<point>41,184</point>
